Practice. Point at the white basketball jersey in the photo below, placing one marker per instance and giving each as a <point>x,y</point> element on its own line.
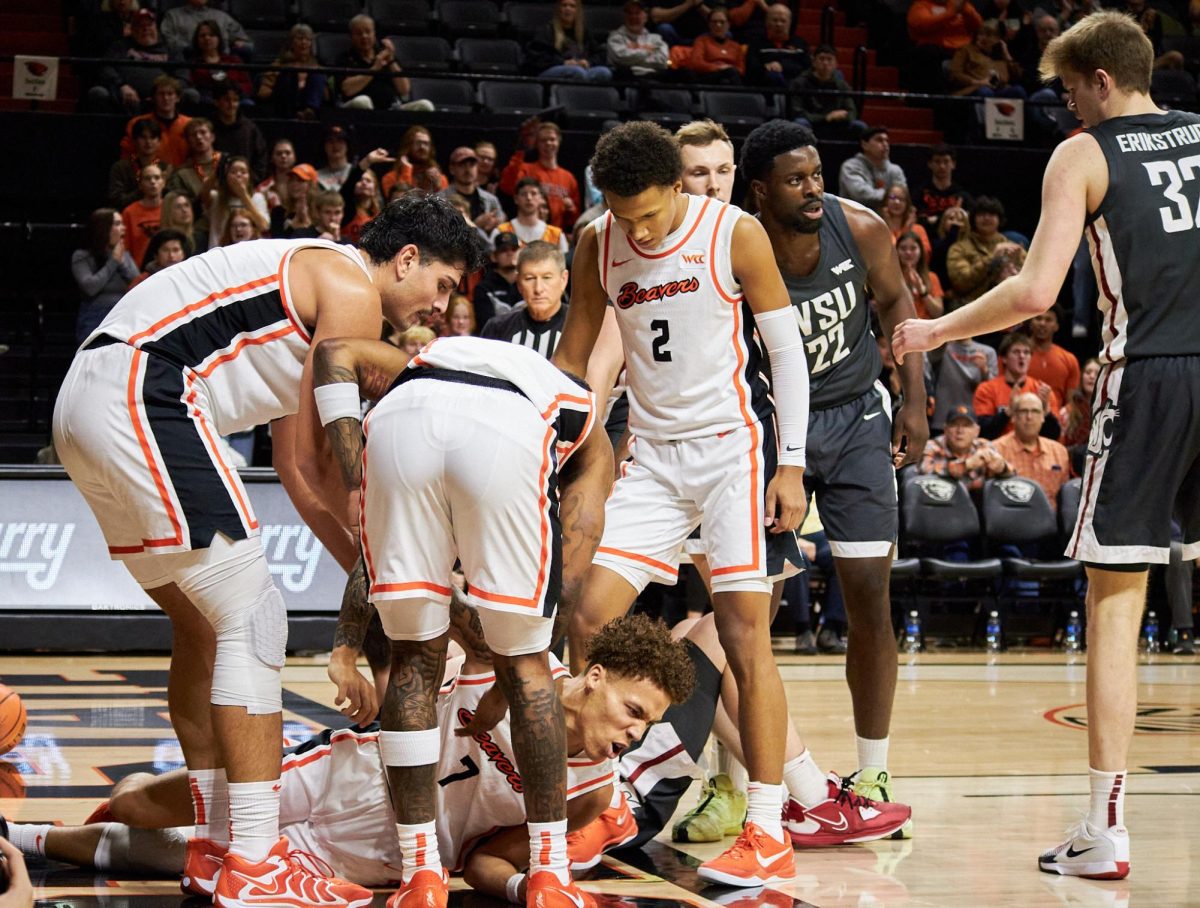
<point>568,408</point>
<point>691,355</point>
<point>226,318</point>
<point>479,788</point>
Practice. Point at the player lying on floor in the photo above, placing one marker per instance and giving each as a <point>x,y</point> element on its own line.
<point>335,808</point>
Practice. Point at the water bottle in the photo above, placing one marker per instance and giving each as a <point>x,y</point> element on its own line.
<point>995,636</point>
<point>912,632</point>
<point>1073,636</point>
<point>1153,644</point>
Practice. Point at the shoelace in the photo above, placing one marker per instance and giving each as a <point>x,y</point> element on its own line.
<point>847,795</point>
<point>742,844</point>
<point>315,865</point>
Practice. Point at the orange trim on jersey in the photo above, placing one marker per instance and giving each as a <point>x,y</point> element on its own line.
<point>591,783</point>
<point>712,262</point>
<point>148,453</point>
<point>292,314</point>
<point>241,345</point>
<point>634,556</point>
<point>368,562</point>
<point>215,451</point>
<point>588,402</point>
<point>412,585</point>
<point>544,509</point>
<point>208,300</point>
<point>677,246</point>
<point>126,549</point>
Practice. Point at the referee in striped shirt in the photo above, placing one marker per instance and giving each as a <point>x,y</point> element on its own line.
<point>542,280</point>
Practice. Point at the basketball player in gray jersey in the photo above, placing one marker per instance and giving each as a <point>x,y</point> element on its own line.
<point>1129,183</point>
<point>828,249</point>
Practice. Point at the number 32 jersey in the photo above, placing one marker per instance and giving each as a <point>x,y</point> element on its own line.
<point>693,361</point>
<point>1145,236</point>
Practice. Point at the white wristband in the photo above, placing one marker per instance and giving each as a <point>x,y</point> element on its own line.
<point>337,401</point>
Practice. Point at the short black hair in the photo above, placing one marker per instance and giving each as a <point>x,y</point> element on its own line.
<point>987,204</point>
<point>161,238</point>
<point>825,49</point>
<point>768,141</point>
<point>632,157</point>
<point>429,222</point>
<point>943,150</point>
<point>529,181</point>
<point>871,132</point>
<point>146,127</point>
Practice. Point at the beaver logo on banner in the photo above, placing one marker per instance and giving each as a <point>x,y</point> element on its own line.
<point>35,78</point>
<point>1004,119</point>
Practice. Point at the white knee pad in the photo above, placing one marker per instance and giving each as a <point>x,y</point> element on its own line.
<point>511,634</point>
<point>234,591</point>
<point>749,585</point>
<point>413,618</point>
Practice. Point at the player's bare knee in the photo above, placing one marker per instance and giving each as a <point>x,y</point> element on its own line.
<point>129,799</point>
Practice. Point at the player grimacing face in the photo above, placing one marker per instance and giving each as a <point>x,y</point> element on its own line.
<point>617,711</point>
<point>794,191</point>
<point>708,170</point>
<point>648,217</point>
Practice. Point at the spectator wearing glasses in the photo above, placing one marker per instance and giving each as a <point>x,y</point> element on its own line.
<point>1041,459</point>
<point>994,397</point>
<point>716,56</point>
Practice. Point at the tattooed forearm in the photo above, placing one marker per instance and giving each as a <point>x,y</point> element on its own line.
<point>538,734</point>
<point>411,705</point>
<point>356,612</point>
<point>466,630</point>
<point>346,438</point>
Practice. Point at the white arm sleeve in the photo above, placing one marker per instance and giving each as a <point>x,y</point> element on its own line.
<point>789,381</point>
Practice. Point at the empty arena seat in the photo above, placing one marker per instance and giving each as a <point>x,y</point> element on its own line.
<point>268,44</point>
<point>331,46</point>
<point>516,98</point>
<point>468,18</point>
<point>669,107</point>
<point>588,103</point>
<point>422,52</point>
<point>265,14</point>
<point>330,15</point>
<point>401,17</point>
<point>526,19</point>
<point>489,55</point>
<point>600,20</point>
<point>1068,507</point>
<point>453,95</point>
<point>737,110</point>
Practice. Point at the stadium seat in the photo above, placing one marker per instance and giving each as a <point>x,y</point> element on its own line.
<point>668,107</point>
<point>522,99</point>
<point>600,20</point>
<point>265,14</point>
<point>588,104</point>
<point>268,44</point>
<point>331,46</point>
<point>329,15</point>
<point>1174,88</point>
<point>736,111</point>
<point>428,53</point>
<point>526,19</point>
<point>468,18</point>
<point>453,95</point>
<point>401,17</point>
<point>1068,508</point>
<point>489,55</point>
<point>1016,512</point>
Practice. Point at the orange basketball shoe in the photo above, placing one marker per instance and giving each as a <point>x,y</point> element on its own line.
<point>612,829</point>
<point>280,882</point>
<point>544,890</point>
<point>201,864</point>
<point>754,859</point>
<point>424,889</point>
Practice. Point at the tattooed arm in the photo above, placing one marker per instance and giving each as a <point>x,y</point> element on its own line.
<point>586,481</point>
<point>372,366</point>
<point>359,695</point>
<point>467,632</point>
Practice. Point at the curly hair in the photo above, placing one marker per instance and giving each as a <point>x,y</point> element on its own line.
<point>637,647</point>
<point>634,156</point>
<point>432,224</point>
<point>768,141</point>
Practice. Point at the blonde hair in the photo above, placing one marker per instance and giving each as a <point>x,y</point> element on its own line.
<point>1110,41</point>
<point>560,36</point>
<point>701,133</point>
<point>418,334</point>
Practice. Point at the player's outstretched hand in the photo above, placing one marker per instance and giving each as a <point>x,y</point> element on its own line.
<point>492,707</point>
<point>913,335</point>
<point>19,891</point>
<point>786,500</point>
<point>356,697</point>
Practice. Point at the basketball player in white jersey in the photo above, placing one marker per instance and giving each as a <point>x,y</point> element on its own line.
<point>216,345</point>
<point>1127,181</point>
<point>335,805</point>
<point>691,279</point>
<point>472,451</point>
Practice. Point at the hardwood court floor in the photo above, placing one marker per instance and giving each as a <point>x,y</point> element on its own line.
<point>991,754</point>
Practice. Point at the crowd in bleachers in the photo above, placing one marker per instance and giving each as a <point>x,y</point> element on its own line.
<point>183,182</point>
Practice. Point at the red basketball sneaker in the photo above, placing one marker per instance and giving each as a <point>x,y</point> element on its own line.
<point>842,818</point>
<point>424,889</point>
<point>201,863</point>
<point>279,882</point>
<point>612,829</point>
<point>754,859</point>
<point>545,890</point>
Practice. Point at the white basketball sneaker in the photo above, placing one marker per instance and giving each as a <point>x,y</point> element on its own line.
<point>1090,853</point>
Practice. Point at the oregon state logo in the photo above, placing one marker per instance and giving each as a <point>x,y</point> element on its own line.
<point>1019,491</point>
<point>935,489</point>
<point>632,295</point>
<point>1152,718</point>
<point>1102,429</point>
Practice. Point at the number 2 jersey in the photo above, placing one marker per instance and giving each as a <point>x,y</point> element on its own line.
<point>693,362</point>
<point>1145,236</point>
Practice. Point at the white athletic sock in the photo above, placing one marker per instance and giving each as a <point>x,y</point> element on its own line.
<point>548,849</point>
<point>418,849</point>
<point>617,797</point>
<point>30,837</point>
<point>872,753</point>
<point>1108,799</point>
<point>253,818</point>
<point>764,807</point>
<point>805,782</point>
<point>210,800</point>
